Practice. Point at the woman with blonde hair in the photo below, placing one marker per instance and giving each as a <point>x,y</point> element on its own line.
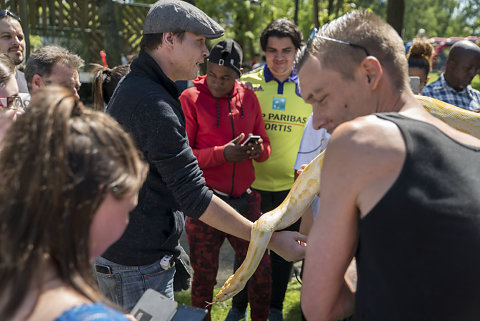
<point>70,177</point>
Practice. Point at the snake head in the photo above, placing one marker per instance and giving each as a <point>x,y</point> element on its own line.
<point>231,287</point>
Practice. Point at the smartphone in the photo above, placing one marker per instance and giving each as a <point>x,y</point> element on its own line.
<point>251,139</point>
<point>154,306</point>
<point>104,269</point>
<point>189,313</point>
<point>415,84</point>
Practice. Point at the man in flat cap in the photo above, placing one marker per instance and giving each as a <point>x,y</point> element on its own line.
<point>146,104</point>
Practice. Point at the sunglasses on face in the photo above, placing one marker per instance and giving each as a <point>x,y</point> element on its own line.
<point>12,102</point>
<point>313,35</point>
<point>4,13</point>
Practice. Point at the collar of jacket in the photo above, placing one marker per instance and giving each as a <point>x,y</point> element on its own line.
<point>145,66</point>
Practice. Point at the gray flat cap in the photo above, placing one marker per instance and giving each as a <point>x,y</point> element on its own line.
<point>177,15</point>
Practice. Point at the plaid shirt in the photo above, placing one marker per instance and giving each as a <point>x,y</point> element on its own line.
<point>467,98</point>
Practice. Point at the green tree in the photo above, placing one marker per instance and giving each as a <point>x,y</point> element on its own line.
<point>437,17</point>
<point>469,14</point>
<point>244,20</point>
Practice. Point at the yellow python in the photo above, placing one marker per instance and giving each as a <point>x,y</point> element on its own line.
<point>307,186</point>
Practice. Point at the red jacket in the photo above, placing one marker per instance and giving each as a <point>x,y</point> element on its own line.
<point>210,126</point>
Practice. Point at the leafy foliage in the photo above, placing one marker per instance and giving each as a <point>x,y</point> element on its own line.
<point>244,20</point>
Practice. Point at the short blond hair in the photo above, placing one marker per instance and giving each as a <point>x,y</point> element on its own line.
<point>367,30</point>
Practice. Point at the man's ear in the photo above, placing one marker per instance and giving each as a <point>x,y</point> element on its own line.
<point>372,71</point>
<point>168,39</point>
<point>37,81</point>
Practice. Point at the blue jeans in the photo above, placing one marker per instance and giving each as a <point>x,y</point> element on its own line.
<point>124,285</point>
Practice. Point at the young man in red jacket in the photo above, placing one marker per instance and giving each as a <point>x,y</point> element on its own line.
<point>220,115</point>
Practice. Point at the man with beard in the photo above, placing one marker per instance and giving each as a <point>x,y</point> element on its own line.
<point>12,43</point>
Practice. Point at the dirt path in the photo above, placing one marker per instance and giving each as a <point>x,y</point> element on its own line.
<point>225,265</point>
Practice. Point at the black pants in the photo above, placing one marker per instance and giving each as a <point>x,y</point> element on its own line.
<point>281,269</point>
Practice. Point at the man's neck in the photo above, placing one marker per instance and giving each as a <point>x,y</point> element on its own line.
<point>167,67</point>
<point>281,77</point>
<point>394,100</point>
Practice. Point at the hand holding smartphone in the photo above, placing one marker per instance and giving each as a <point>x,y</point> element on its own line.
<point>251,139</point>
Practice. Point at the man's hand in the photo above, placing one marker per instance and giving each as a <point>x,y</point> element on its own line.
<point>234,152</point>
<point>248,85</point>
<point>254,149</point>
<point>287,245</point>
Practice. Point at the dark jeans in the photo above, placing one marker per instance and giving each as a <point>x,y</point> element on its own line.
<point>281,269</point>
<point>205,243</point>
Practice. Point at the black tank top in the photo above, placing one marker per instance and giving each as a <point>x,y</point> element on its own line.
<point>418,256</point>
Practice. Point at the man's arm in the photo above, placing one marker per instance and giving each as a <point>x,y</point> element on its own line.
<point>224,218</point>
<point>332,239</point>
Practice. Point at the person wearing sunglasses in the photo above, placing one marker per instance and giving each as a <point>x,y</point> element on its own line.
<point>399,187</point>
<point>53,65</point>
<point>12,43</point>
<point>10,103</point>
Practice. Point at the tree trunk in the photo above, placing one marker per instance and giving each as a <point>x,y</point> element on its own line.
<point>395,12</point>
<point>295,16</point>
<point>339,6</point>
<point>316,22</point>
<point>330,7</point>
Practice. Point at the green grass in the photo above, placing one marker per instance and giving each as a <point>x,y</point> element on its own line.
<point>475,82</point>
<point>291,305</point>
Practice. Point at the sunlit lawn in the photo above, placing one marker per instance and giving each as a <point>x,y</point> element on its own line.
<point>291,305</point>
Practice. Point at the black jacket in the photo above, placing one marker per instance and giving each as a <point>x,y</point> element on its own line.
<point>146,104</point>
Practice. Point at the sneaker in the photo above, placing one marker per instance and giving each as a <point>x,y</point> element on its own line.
<point>275,315</point>
<point>236,315</point>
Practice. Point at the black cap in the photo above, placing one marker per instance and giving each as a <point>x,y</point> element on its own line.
<point>227,53</point>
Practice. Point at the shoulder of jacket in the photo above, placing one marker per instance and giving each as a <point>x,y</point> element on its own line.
<point>256,74</point>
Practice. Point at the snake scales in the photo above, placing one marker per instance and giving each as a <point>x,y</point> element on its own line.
<point>307,186</point>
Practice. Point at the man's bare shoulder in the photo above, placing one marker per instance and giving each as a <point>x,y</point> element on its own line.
<point>363,159</point>
<point>367,148</point>
<point>368,134</point>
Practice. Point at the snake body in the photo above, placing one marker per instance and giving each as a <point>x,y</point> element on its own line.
<point>307,186</point>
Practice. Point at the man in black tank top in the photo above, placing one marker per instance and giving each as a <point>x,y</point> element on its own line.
<point>399,187</point>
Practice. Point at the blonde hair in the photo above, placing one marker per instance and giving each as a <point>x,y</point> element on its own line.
<point>360,28</point>
<point>58,163</point>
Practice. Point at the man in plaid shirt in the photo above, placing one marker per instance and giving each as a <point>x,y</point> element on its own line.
<point>453,86</point>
